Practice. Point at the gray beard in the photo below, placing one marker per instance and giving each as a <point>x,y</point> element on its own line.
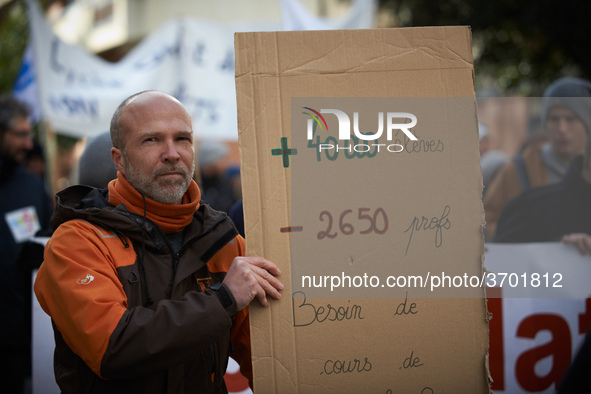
<point>171,192</point>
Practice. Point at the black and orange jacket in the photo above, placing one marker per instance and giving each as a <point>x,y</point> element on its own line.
<point>129,315</point>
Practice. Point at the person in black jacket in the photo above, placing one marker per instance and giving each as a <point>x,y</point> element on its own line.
<point>25,208</point>
<point>560,212</point>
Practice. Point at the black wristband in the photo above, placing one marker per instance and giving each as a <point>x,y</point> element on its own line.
<point>222,294</point>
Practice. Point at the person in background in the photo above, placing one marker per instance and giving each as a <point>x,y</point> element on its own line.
<point>568,122</point>
<point>216,190</point>
<point>232,177</point>
<point>553,213</point>
<point>148,293</point>
<point>96,167</point>
<point>35,160</point>
<point>237,215</point>
<point>491,160</point>
<point>576,378</point>
<point>25,209</point>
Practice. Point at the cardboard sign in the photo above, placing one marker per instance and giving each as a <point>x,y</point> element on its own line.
<point>361,180</point>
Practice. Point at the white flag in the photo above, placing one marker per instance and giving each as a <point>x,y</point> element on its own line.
<point>361,15</point>
<point>191,59</point>
<point>25,87</point>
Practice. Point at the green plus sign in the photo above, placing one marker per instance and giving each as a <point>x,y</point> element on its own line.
<point>284,152</point>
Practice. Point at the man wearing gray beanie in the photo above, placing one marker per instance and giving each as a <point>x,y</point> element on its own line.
<point>566,115</point>
<point>566,111</point>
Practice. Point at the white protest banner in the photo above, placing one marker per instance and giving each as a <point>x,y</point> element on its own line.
<point>533,340</point>
<point>25,87</point>
<point>361,15</point>
<point>537,270</point>
<point>188,58</point>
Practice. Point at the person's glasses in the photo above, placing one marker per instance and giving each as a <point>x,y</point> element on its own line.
<point>21,134</point>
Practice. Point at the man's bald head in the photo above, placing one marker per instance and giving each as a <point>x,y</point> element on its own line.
<point>117,128</point>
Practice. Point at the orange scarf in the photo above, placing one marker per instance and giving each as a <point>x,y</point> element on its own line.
<point>170,218</point>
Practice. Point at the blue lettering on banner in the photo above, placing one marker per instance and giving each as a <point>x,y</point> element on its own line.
<point>198,53</point>
<point>25,77</point>
<point>74,106</point>
<point>200,108</point>
<point>154,59</point>
<point>158,56</point>
<point>75,77</point>
<point>55,65</point>
<point>228,62</point>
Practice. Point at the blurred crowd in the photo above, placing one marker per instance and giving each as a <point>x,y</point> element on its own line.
<point>541,193</point>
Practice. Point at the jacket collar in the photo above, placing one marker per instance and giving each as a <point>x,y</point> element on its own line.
<point>170,218</point>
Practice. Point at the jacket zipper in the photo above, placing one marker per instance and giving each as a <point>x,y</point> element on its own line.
<point>162,236</point>
<point>175,256</point>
